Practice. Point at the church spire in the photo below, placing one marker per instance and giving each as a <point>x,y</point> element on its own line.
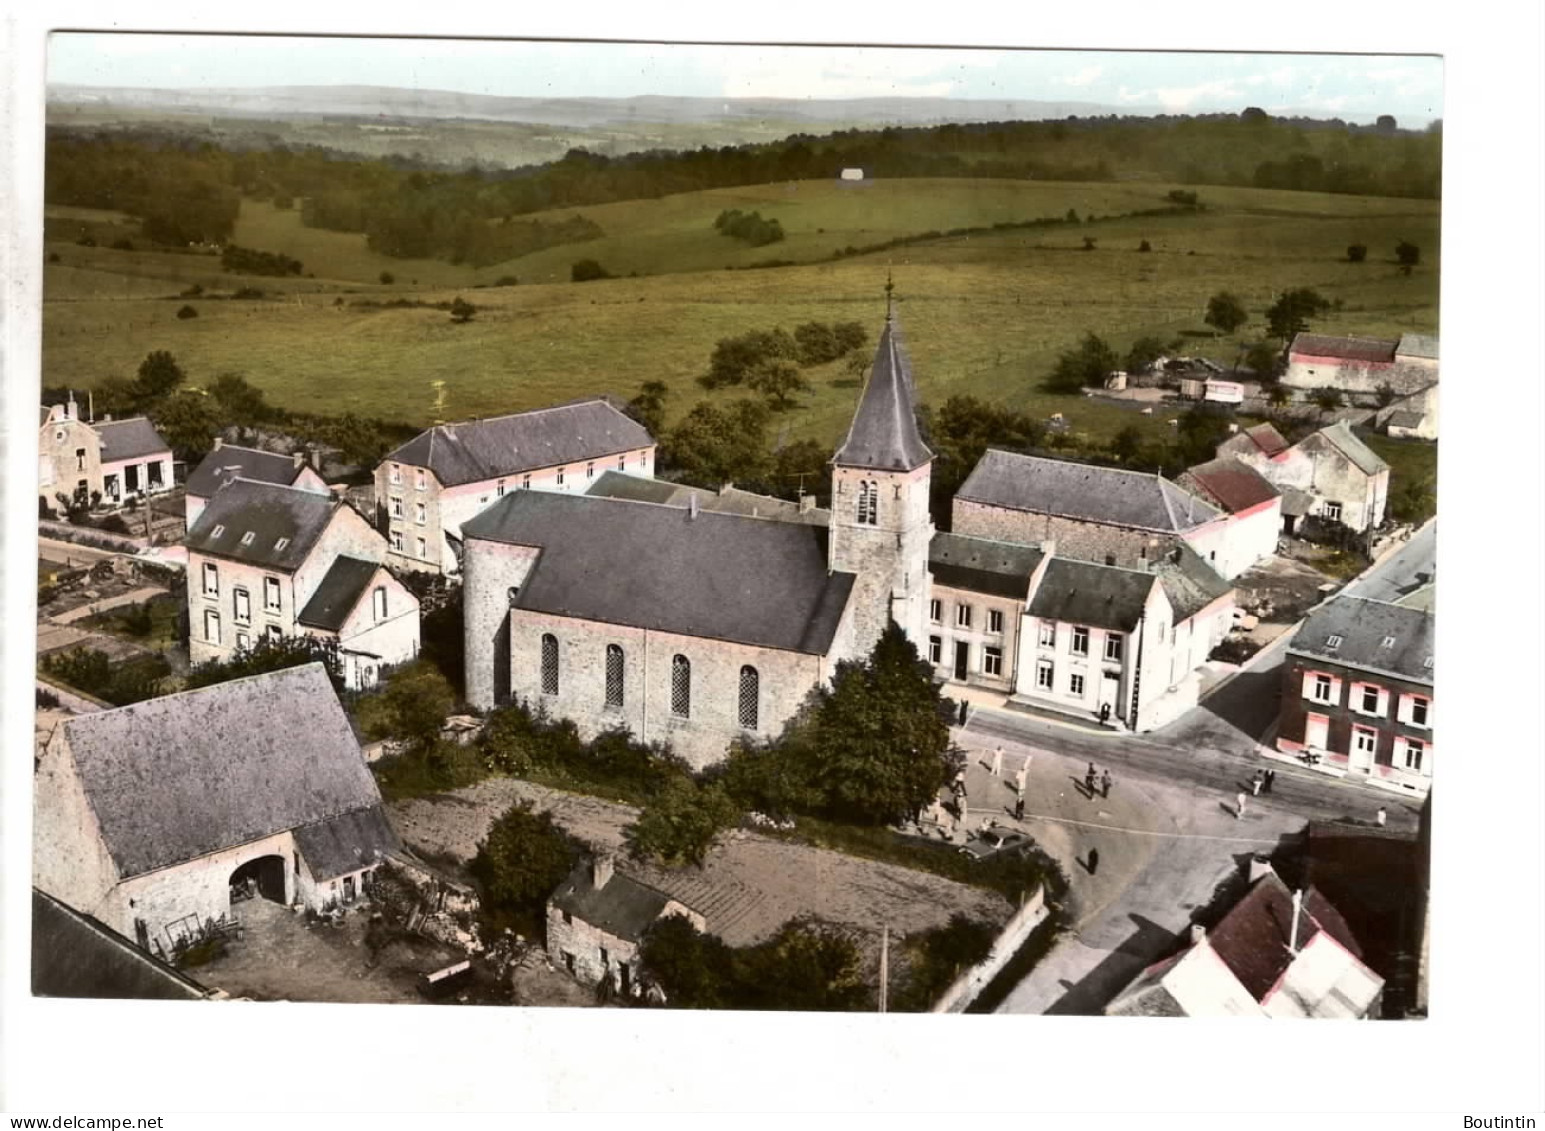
<point>884,433</point>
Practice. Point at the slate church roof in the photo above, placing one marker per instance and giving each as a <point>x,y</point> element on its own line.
<point>186,775</point>
<point>884,433</point>
<point>475,450</point>
<point>1132,499</point>
<point>717,576</point>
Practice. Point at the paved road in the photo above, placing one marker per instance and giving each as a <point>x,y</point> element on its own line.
<point>1414,565</point>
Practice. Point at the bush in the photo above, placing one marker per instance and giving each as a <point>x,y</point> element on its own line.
<point>585,270</point>
<point>749,227</point>
<point>1145,246</point>
<point>506,281</point>
<point>119,682</point>
<point>517,866</point>
<point>681,824</point>
<point>122,245</point>
<point>387,278</point>
<point>1357,253</point>
<point>805,966</point>
<point>187,312</point>
<point>1407,254</point>
<point>939,956</point>
<point>247,261</point>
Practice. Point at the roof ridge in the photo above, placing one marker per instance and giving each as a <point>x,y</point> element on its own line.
<point>224,683</point>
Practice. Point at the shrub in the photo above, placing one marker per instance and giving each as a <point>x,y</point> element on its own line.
<point>387,278</point>
<point>1145,246</point>
<point>1407,254</point>
<point>681,824</point>
<point>585,270</point>
<point>119,682</point>
<point>506,281</point>
<point>1357,252</point>
<point>517,866</point>
<point>187,312</point>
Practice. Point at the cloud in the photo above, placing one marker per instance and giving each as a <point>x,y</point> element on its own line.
<point>1084,77</point>
<point>1184,97</point>
<point>853,73</point>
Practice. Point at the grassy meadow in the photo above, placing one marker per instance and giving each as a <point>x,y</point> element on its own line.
<point>985,314</point>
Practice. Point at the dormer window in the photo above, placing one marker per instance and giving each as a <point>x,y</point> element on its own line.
<point>1332,643</point>
<point>281,544</point>
<point>1427,663</point>
<point>217,531</point>
<point>246,539</point>
<point>1389,642</point>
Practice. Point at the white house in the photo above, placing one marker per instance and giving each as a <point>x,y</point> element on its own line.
<point>155,818</point>
<point>1253,505</point>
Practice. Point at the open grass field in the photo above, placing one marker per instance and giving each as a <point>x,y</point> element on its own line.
<point>985,315</point>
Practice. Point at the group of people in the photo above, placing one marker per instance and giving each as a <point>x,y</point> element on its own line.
<point>1097,781</point>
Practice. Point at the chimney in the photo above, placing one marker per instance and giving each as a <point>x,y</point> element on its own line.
<point>692,505</point>
<point>1259,866</point>
<point>806,504</point>
<point>600,870</point>
<point>219,443</point>
<point>1198,934</point>
<point>69,406</point>
<point>300,460</point>
<point>1298,910</point>
<point>726,487</point>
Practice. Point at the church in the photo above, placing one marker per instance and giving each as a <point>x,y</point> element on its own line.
<point>697,621</point>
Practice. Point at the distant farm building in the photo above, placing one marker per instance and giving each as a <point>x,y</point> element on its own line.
<point>852,174</point>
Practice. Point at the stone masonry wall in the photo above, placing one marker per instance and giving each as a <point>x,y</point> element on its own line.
<point>889,557</point>
<point>1087,541</point>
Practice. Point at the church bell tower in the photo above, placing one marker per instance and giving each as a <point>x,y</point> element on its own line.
<point>880,525</point>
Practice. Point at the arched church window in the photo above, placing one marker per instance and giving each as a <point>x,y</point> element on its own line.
<point>750,696</point>
<point>863,502</point>
<point>681,686</point>
<point>614,686</point>
<point>549,664</point>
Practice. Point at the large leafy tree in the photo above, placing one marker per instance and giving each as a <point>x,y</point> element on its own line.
<point>713,445</point>
<point>681,823</point>
<point>1290,314</point>
<point>188,421</point>
<point>778,380</point>
<point>415,702</point>
<point>1225,313</point>
<point>158,376</point>
<point>690,967</point>
<point>517,866</point>
<point>648,407</point>
<point>734,358</point>
<point>878,739</point>
<point>1086,365</point>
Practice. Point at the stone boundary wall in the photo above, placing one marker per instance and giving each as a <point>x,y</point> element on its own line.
<point>964,989</point>
<point>90,536</point>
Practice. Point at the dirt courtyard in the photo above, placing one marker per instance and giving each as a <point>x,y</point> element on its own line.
<point>748,887</point>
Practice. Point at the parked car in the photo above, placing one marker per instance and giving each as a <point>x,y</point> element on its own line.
<point>993,840</point>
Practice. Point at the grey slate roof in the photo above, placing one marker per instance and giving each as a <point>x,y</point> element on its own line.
<point>1131,499</point>
<point>475,450</point>
<point>982,565</point>
<point>346,843</point>
<point>73,955</point>
<point>623,908</point>
<point>718,576</point>
<point>1341,436</point>
<point>340,590</point>
<point>728,500</point>
<point>1418,345</point>
<point>1086,593</point>
<point>268,512</point>
<point>176,778</point>
<point>884,432</point>
<point>231,462</point>
<point>1190,583</point>
<point>1363,625</point>
<point>130,439</point>
<point>1405,418</point>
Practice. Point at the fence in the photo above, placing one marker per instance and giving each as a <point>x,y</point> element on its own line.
<point>964,989</point>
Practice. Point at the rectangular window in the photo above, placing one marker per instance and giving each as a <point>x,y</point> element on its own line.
<point>590,470</point>
<point>1414,752</point>
<point>963,616</point>
<point>423,548</point>
<point>560,476</point>
<point>1419,708</point>
<point>1321,688</point>
<point>380,602</point>
<point>995,621</point>
<point>622,462</point>
<point>499,489</point>
<point>1365,740</point>
<point>80,459</point>
<point>936,610</point>
<point>271,594</point>
<point>396,476</point>
<point>992,661</point>
<point>1076,684</point>
<point>1043,675</point>
<point>397,540</point>
<point>1048,635</point>
<point>211,580</point>
<point>243,642</point>
<point>420,513</point>
<point>211,626</point>
<point>1370,699</point>
<point>241,606</point>
<point>1333,511</point>
<point>935,650</point>
<point>1080,645</point>
<point>396,507</point>
<point>273,633</point>
<point>420,480</point>
<point>1113,645</point>
<point>525,482</point>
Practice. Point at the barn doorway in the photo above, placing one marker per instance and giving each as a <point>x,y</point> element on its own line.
<point>263,877</point>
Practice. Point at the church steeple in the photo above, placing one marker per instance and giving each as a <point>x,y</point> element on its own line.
<point>884,434</point>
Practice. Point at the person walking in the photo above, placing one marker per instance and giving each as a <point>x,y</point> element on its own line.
<point>1256,782</point>
<point>997,761</point>
<point>1094,861</point>
<point>1019,806</point>
<point>1105,784</point>
<point>1021,774</point>
<point>1089,780</point>
<point>1379,817</point>
<point>1240,802</point>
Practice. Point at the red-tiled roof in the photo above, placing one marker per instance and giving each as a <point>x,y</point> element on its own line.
<point>1268,439</point>
<point>1233,484</point>
<point>1348,349</point>
<point>1253,938</point>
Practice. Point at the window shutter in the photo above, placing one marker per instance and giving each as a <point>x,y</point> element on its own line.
<point>1383,703</point>
<point>1308,685</point>
<point>1335,690</point>
<point>1404,713</point>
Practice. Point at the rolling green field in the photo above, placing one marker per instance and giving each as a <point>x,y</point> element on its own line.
<point>985,315</point>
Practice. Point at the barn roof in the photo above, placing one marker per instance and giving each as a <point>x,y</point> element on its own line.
<point>186,775</point>
<point>1132,499</point>
<point>346,843</point>
<point>73,955</point>
<point>1231,483</point>
<point>1341,436</point>
<point>474,450</point>
<point>718,576</point>
<point>1418,345</point>
<point>1345,348</point>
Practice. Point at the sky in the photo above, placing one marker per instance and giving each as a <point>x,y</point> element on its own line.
<point>1353,87</point>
